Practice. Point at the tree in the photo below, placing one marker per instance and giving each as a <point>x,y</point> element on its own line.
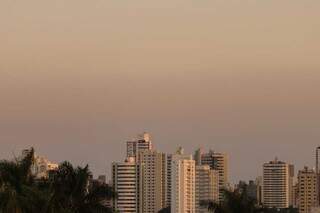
<point>71,191</point>
<point>238,201</point>
<point>66,191</point>
<point>234,202</point>
<point>216,207</point>
<point>18,190</point>
<point>165,210</point>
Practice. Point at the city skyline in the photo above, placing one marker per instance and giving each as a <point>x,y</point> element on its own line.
<point>80,78</point>
<point>145,138</point>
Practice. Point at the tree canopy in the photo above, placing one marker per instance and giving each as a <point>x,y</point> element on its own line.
<point>67,190</point>
<point>238,201</point>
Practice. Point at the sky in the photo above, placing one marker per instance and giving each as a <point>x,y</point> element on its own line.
<point>79,78</point>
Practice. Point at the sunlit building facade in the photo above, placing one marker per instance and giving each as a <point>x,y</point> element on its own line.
<point>277,186</point>
<point>307,190</point>
<point>183,183</point>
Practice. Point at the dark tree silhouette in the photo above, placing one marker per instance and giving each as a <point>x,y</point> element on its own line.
<point>238,201</point>
<point>66,191</point>
<point>165,210</point>
<point>71,191</point>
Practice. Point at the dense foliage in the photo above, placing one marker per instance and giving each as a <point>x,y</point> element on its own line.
<point>66,191</point>
<point>238,201</point>
<point>165,210</point>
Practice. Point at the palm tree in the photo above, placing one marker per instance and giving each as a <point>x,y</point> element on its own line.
<point>234,202</point>
<point>71,191</point>
<point>18,191</point>
<point>66,191</point>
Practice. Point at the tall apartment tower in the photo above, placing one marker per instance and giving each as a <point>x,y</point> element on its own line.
<point>216,161</point>
<point>307,189</point>
<point>259,183</point>
<point>207,186</point>
<point>295,195</point>
<point>127,182</point>
<point>169,178</point>
<point>154,180</point>
<point>142,143</point>
<point>291,186</point>
<point>318,173</point>
<point>183,183</point>
<point>276,184</point>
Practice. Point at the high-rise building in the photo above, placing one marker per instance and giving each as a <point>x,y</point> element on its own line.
<point>127,183</point>
<point>251,189</point>
<point>307,189</point>
<point>276,184</point>
<point>318,173</point>
<point>142,143</point>
<point>183,183</point>
<point>259,183</point>
<point>154,180</point>
<point>102,179</point>
<point>216,161</point>
<point>206,186</point>
<point>295,195</point>
<point>291,186</point>
<point>42,167</point>
<point>169,177</point>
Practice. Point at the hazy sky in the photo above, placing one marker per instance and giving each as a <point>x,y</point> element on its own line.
<point>78,78</point>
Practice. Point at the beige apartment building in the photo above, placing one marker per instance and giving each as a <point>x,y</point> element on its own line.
<point>183,183</point>
<point>307,190</point>
<point>126,180</point>
<point>154,180</point>
<point>207,186</point>
<point>277,184</point>
<point>216,161</point>
<point>143,142</point>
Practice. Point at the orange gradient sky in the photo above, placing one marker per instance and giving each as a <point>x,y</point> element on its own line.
<point>78,78</point>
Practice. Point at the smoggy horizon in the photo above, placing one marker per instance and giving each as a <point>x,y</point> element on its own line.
<point>80,78</point>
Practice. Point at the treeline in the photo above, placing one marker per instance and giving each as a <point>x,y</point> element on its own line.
<point>237,201</point>
<point>67,190</point>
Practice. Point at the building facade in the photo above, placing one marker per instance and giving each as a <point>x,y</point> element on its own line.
<point>42,167</point>
<point>216,161</point>
<point>127,183</point>
<point>307,190</point>
<point>277,186</point>
<point>183,183</point>
<point>206,186</point>
<point>169,178</point>
<point>154,180</point>
<point>143,142</point>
